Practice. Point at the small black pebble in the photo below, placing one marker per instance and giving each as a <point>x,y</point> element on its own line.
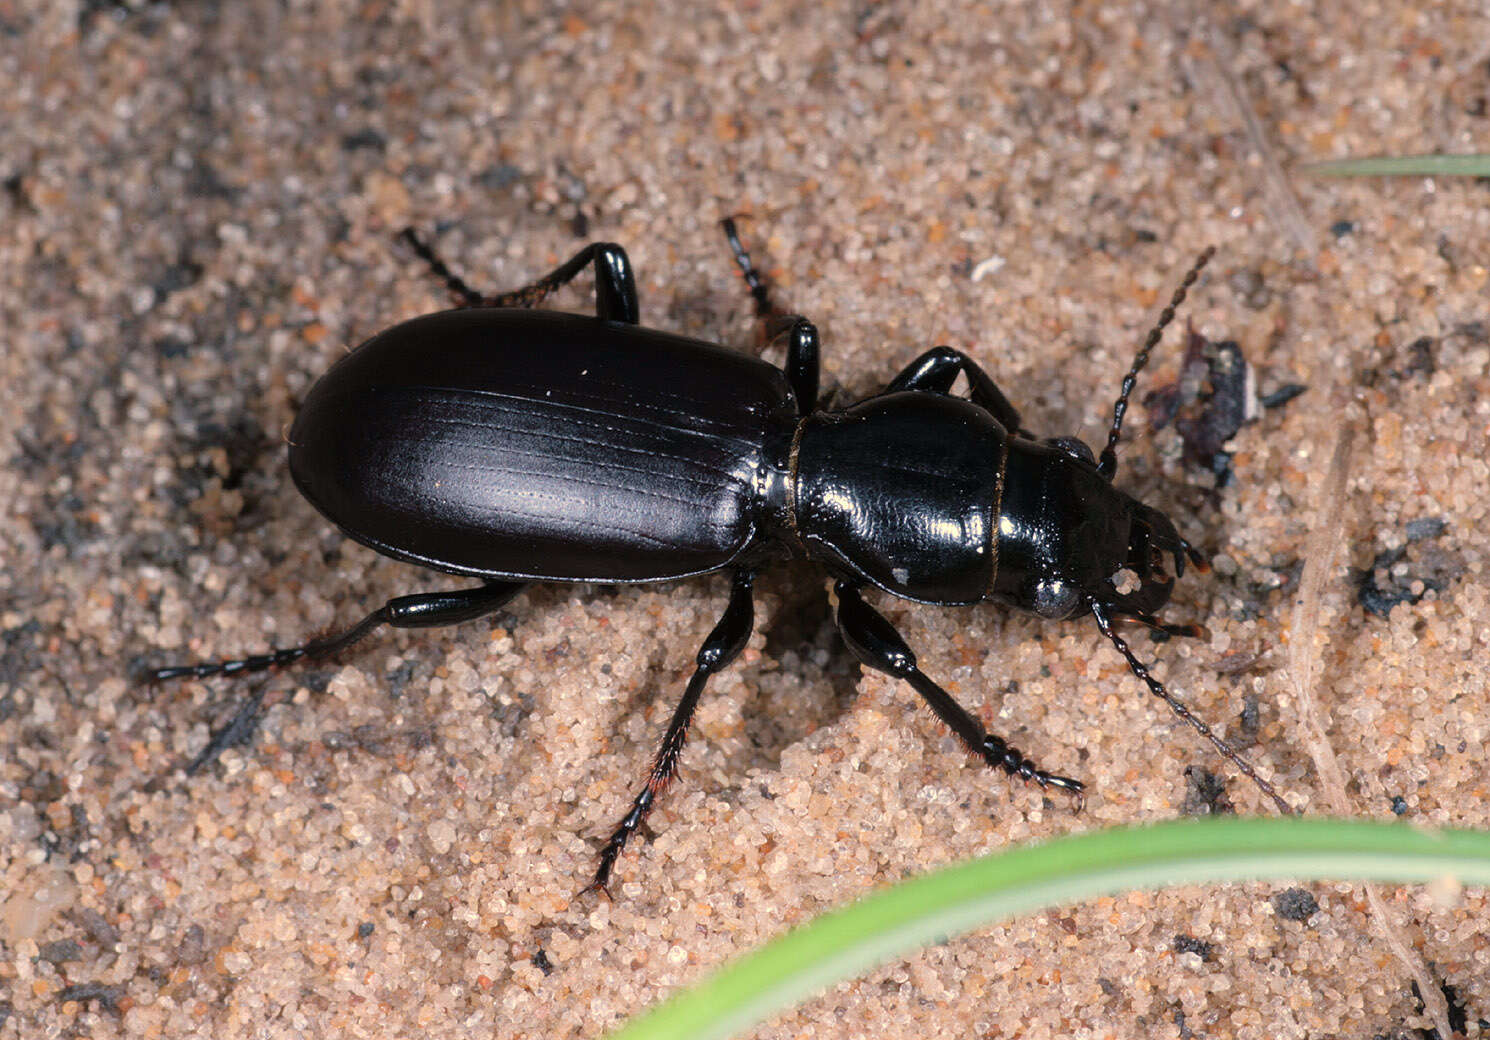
<point>1341,228</point>
<point>1205,794</point>
<point>107,996</point>
<point>1250,718</point>
<point>1399,805</point>
<point>365,139</point>
<point>60,951</point>
<point>193,947</point>
<point>1190,944</point>
<point>365,929</point>
<point>542,963</point>
<point>1295,904</point>
<point>98,927</point>
<point>495,178</point>
<point>1427,527</point>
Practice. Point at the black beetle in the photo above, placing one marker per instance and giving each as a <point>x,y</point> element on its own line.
<point>514,445</point>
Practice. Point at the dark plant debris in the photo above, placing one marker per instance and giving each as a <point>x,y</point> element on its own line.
<point>1205,794</point>
<point>1407,573</point>
<point>1213,398</point>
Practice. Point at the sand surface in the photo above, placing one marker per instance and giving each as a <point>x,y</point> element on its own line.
<point>199,209</point>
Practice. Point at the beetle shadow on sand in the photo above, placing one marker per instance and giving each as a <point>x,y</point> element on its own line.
<point>802,644</point>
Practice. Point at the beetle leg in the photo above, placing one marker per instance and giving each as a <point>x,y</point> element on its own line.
<point>615,287</point>
<point>424,610</point>
<point>875,642</point>
<point>464,295</point>
<point>938,368</point>
<point>723,646</point>
<point>1183,631</point>
<point>763,306</point>
<point>802,364</point>
<point>801,358</point>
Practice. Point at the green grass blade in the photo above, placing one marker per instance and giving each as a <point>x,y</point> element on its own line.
<point>960,898</point>
<point>1404,166</point>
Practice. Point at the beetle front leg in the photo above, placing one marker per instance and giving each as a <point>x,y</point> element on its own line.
<point>938,368</point>
<point>875,643</point>
<point>723,646</point>
<point>615,286</point>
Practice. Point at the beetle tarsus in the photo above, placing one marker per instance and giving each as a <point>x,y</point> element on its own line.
<point>1000,754</point>
<point>462,293</point>
<point>757,285</point>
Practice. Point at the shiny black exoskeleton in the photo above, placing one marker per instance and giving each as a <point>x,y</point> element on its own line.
<point>514,445</point>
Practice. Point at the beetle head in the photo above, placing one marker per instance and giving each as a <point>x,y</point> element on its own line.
<point>1100,551</point>
<point>1151,537</point>
<point>1064,531</point>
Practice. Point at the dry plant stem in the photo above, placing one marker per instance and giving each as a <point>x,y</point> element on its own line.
<point>1211,70</point>
<point>1303,660</point>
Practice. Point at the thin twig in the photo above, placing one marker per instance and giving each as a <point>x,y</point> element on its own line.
<point>1303,661</point>
<point>1213,71</point>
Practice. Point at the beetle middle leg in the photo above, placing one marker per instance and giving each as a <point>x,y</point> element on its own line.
<point>938,368</point>
<point>615,286</point>
<point>723,645</point>
<point>802,353</point>
<point>875,642</point>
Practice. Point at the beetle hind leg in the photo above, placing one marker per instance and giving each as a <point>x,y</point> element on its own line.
<point>723,645</point>
<point>424,610</point>
<point>875,642</point>
<point>615,286</point>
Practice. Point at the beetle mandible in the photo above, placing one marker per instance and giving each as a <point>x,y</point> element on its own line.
<point>510,444</point>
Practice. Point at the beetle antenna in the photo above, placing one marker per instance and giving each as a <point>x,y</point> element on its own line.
<point>1178,707</point>
<point>1107,466</point>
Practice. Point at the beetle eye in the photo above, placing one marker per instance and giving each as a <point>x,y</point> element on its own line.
<point>1074,447</point>
<point>1055,598</point>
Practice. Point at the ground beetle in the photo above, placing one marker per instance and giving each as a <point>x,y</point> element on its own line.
<point>513,445</point>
